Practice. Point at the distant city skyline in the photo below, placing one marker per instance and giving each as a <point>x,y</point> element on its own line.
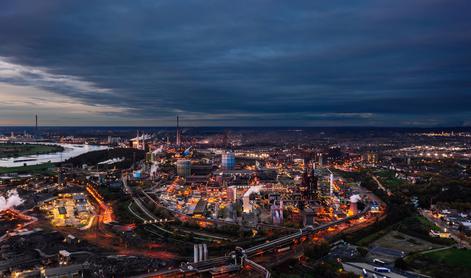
<point>235,63</point>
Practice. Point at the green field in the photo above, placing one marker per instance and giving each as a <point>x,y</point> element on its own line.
<point>17,150</point>
<point>365,241</point>
<point>30,169</point>
<point>445,263</point>
<point>415,225</point>
<point>389,180</point>
<point>425,222</point>
<point>452,257</point>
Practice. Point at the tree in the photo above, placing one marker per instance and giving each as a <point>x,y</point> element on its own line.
<point>401,263</point>
<point>317,251</point>
<point>362,251</point>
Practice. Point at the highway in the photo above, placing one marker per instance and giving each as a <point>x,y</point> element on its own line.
<point>358,268</point>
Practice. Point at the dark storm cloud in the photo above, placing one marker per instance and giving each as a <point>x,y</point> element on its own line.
<point>267,62</point>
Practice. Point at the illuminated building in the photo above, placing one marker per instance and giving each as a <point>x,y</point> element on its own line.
<point>231,193</point>
<point>247,204</point>
<point>371,158</point>
<point>305,164</point>
<point>309,184</point>
<point>277,212</point>
<point>228,161</point>
<point>139,142</point>
<point>137,174</point>
<point>312,186</point>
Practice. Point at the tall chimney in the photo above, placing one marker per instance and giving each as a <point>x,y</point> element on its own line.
<point>36,129</point>
<point>178,141</point>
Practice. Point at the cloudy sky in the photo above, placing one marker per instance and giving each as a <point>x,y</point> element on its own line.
<point>236,63</point>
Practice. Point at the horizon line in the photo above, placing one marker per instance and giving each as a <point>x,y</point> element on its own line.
<point>241,126</point>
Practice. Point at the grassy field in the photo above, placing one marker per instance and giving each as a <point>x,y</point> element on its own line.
<point>389,180</point>
<point>16,150</point>
<point>453,257</point>
<point>373,237</point>
<point>404,242</point>
<point>426,223</point>
<point>445,263</point>
<point>30,169</point>
<point>415,226</point>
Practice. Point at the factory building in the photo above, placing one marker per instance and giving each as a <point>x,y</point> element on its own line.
<point>371,158</point>
<point>200,252</point>
<point>309,184</point>
<point>277,212</point>
<point>232,193</point>
<point>312,188</point>
<point>308,217</point>
<point>183,168</point>
<point>139,142</point>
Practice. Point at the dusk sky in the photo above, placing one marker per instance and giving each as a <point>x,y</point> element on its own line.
<point>236,63</point>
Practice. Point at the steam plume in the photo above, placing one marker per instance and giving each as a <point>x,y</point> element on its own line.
<point>355,198</point>
<point>12,200</point>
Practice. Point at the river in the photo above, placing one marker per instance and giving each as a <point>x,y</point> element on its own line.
<point>70,150</point>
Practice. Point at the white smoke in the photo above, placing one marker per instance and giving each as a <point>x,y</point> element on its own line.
<point>12,200</point>
<point>355,198</point>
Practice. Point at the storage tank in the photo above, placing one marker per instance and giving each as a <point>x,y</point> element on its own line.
<point>228,161</point>
<point>354,204</point>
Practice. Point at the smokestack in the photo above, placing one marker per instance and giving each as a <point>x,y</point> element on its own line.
<point>205,252</point>
<point>36,129</point>
<point>200,252</point>
<point>195,253</point>
<point>331,188</point>
<point>178,141</point>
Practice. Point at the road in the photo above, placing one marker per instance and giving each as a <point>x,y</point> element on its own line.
<point>380,185</point>
<point>288,240</point>
<point>258,249</point>
<point>357,268</point>
<point>453,233</point>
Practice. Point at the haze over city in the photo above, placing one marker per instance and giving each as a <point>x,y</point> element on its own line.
<point>235,63</point>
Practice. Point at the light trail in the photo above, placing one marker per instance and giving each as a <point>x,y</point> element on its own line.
<point>106,215</point>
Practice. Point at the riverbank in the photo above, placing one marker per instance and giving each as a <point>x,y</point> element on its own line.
<point>29,169</point>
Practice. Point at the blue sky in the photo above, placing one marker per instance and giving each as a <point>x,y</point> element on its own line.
<point>236,63</point>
